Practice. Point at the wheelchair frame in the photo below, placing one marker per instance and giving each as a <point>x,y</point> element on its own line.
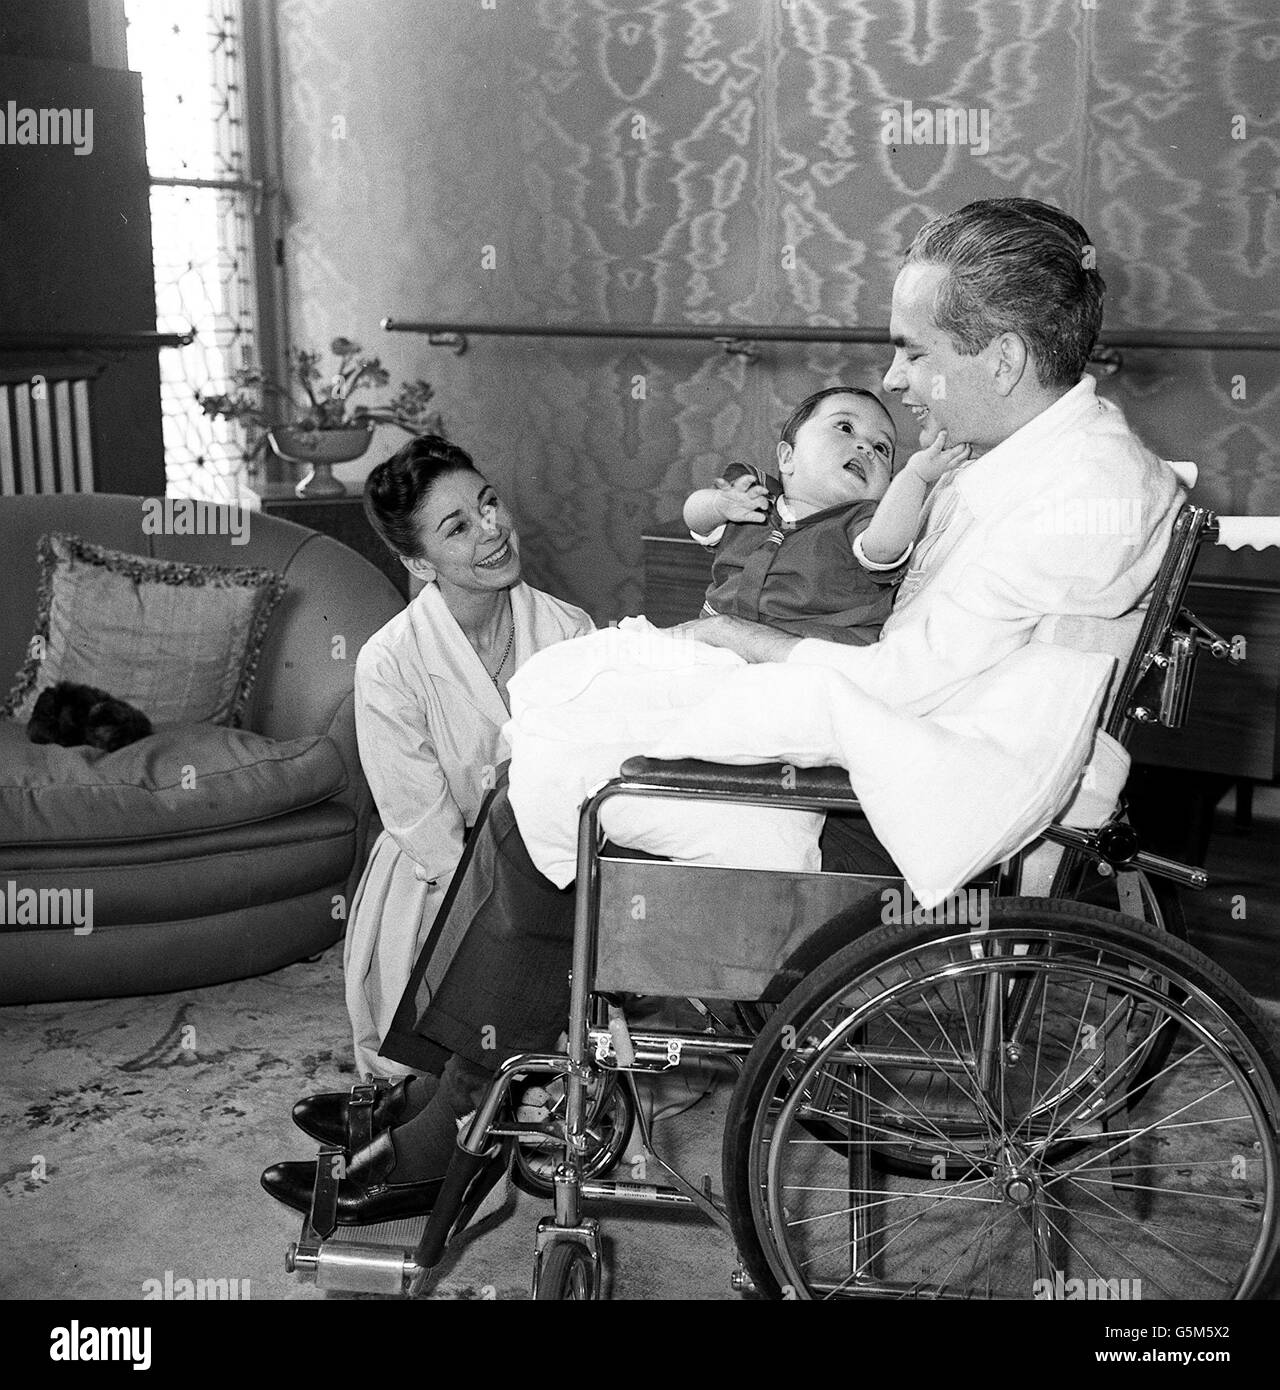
<point>1154,688</point>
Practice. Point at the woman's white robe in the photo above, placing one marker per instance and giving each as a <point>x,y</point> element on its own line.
<point>429,722</point>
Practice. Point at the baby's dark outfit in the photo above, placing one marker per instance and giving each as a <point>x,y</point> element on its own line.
<point>801,577</point>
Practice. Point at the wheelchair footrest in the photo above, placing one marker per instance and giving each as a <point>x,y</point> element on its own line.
<point>395,1258</point>
<point>358,1266</point>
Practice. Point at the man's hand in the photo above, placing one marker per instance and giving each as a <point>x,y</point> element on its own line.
<point>930,464</point>
<point>744,499</point>
<point>753,642</point>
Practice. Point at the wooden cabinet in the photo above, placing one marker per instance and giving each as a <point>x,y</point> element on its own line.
<point>677,571</point>
<point>342,518</point>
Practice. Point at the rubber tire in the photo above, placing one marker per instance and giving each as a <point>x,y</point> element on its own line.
<point>1094,891</point>
<point>559,1265</point>
<point>846,966</point>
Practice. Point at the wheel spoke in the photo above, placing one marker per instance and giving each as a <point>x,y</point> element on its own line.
<point>921,1056</point>
<point>1138,1134</point>
<point>944,1142</point>
<point>1146,1233</point>
<point>1127,1066</point>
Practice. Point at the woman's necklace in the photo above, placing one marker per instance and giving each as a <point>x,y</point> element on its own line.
<point>497,671</point>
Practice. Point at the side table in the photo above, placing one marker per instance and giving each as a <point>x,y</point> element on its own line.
<point>342,518</point>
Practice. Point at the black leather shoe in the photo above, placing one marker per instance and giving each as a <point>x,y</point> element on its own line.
<point>365,1195</point>
<point>326,1117</point>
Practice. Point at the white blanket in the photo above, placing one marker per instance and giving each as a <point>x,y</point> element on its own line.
<point>947,793</point>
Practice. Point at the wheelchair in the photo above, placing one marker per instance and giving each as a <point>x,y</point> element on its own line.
<point>1044,1096</point>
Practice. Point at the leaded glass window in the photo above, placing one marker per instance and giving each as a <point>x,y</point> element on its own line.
<point>190,54</point>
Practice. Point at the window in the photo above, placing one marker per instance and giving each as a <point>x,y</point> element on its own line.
<point>209,164</point>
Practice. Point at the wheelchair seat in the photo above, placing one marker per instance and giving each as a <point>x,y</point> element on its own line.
<point>830,785</point>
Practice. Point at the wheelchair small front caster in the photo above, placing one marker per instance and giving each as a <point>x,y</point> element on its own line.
<point>568,1263</point>
<point>567,1274</point>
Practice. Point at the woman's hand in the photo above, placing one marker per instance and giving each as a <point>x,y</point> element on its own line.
<point>751,641</point>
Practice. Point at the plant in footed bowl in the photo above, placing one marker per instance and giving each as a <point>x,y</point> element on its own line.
<point>312,420</point>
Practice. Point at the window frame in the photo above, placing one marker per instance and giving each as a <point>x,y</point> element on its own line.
<point>263,182</point>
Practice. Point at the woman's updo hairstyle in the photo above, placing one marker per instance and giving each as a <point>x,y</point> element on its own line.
<point>395,490</point>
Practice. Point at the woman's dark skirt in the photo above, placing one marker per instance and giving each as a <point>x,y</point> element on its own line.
<point>493,977</point>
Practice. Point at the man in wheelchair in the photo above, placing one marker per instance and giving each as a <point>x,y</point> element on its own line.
<point>995,312</point>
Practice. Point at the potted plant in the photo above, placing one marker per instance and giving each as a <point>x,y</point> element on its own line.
<point>312,421</point>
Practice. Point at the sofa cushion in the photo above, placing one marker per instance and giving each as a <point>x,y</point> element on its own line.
<point>178,641</point>
<point>176,782</point>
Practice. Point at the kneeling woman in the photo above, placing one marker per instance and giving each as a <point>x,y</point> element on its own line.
<point>430,705</point>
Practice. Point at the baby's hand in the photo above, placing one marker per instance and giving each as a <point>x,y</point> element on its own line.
<point>930,464</point>
<point>744,499</point>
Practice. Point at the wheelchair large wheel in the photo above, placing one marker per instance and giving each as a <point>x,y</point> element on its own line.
<point>1015,1049</point>
<point>1131,893</point>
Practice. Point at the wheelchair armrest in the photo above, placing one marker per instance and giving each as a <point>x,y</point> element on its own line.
<point>829,784</point>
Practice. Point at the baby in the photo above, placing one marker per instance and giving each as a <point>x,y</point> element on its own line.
<point>819,554</point>
<point>816,555</point>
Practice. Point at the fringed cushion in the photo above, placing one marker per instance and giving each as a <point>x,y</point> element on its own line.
<point>178,641</point>
<point>178,782</point>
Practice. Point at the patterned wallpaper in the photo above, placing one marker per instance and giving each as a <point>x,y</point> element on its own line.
<point>571,161</point>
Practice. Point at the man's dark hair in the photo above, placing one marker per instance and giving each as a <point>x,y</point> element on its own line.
<point>1016,265</point>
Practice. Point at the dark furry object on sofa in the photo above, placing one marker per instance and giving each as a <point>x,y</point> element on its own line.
<point>71,715</point>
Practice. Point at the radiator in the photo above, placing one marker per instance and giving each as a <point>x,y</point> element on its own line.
<point>45,435</point>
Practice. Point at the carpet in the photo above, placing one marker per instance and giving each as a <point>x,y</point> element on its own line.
<point>133,1132</point>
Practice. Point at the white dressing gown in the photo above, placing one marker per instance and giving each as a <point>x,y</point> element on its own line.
<point>429,723</point>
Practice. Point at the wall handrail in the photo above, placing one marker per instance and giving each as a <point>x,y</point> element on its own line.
<point>70,341</point>
<point>738,337</point>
